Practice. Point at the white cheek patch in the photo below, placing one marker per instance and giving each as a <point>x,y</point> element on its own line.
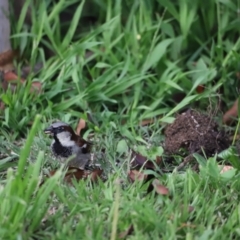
<point>67,142</point>
<point>65,139</point>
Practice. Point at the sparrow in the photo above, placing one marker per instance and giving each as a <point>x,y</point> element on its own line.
<point>66,144</point>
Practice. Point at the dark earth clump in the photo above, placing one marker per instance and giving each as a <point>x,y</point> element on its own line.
<point>193,132</point>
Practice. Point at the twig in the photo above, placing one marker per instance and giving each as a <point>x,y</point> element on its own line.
<point>186,160</point>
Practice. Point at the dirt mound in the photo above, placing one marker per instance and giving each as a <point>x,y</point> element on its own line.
<point>193,132</point>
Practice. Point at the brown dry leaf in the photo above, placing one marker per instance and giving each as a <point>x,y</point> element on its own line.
<point>71,173</point>
<point>159,188</point>
<point>6,60</point>
<point>69,176</point>
<point>146,122</point>
<point>135,175</point>
<point>80,174</point>
<point>231,113</point>
<point>51,173</point>
<point>225,168</point>
<point>12,78</point>
<point>96,175</point>
<point>200,89</point>
<point>158,160</point>
<point>81,125</point>
<point>6,66</point>
<point>36,87</point>
<point>140,161</point>
<point>190,209</point>
<point>75,173</point>
<point>127,232</point>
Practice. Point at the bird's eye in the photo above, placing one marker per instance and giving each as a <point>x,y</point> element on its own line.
<point>59,129</point>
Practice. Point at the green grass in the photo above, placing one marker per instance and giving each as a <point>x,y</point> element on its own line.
<point>125,67</point>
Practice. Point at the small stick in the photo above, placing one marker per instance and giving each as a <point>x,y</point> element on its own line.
<point>186,160</point>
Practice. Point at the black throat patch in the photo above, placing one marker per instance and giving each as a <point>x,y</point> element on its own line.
<point>61,151</point>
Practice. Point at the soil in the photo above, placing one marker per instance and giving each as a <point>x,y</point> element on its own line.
<point>193,132</point>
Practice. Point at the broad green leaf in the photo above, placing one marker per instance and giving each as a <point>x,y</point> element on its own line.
<point>74,23</point>
<point>157,53</point>
<point>122,146</point>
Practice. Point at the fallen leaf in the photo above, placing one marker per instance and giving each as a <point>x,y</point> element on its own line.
<point>140,161</point>
<point>96,175</point>
<point>190,209</point>
<point>135,175</point>
<point>158,160</point>
<point>80,174</point>
<point>11,76</point>
<point>159,188</point>
<point>146,122</point>
<point>6,60</point>
<point>81,125</point>
<point>231,113</point>
<point>225,168</point>
<point>75,173</point>
<point>36,87</point>
<point>127,232</point>
<point>12,79</point>
<point>200,89</point>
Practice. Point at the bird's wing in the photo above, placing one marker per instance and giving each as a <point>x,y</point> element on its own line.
<point>80,160</point>
<point>85,145</point>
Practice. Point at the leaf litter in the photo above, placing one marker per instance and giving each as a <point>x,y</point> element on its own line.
<point>10,79</point>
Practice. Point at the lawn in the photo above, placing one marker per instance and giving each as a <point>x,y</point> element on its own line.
<point>118,64</point>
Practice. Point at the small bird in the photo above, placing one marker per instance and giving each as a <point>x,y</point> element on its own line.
<point>67,144</point>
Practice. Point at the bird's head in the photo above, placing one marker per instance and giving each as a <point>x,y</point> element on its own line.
<point>62,132</point>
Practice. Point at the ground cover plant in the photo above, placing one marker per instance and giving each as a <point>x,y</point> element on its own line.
<point>127,68</point>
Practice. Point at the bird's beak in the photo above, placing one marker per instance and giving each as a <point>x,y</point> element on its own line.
<point>48,130</point>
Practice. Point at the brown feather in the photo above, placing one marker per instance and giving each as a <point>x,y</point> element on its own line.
<point>78,139</point>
